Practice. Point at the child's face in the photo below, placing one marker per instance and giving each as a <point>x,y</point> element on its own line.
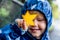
<point>40,24</point>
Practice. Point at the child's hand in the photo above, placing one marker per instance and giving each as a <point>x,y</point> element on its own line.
<point>21,23</point>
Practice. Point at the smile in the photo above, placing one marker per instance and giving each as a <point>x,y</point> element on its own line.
<point>34,29</point>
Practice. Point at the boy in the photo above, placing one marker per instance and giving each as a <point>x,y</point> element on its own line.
<point>38,31</point>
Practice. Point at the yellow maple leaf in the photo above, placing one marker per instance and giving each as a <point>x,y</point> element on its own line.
<point>29,18</point>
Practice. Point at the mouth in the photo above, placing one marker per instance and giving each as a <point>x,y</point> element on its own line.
<point>34,29</point>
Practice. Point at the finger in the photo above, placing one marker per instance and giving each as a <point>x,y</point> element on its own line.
<point>24,25</point>
<point>19,22</point>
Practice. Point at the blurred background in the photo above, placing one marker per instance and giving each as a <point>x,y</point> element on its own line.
<point>11,9</point>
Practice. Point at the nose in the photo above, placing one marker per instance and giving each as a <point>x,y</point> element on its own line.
<point>35,23</point>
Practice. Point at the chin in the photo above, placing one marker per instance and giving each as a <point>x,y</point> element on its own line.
<point>36,34</point>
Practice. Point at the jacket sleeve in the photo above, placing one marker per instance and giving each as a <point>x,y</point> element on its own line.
<point>20,31</point>
<point>2,37</point>
<point>11,31</point>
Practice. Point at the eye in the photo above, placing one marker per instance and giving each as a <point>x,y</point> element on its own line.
<point>40,20</point>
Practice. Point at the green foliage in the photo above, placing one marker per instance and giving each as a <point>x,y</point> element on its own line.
<point>50,1</point>
<point>8,12</point>
<point>4,12</point>
<point>3,16</point>
<point>55,11</point>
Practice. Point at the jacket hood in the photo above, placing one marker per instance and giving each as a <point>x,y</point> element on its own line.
<point>42,6</point>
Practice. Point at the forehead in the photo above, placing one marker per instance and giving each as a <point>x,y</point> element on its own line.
<point>39,14</point>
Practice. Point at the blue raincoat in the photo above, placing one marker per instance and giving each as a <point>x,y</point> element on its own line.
<point>12,32</point>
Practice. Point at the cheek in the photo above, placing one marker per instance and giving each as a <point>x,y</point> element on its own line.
<point>42,26</point>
